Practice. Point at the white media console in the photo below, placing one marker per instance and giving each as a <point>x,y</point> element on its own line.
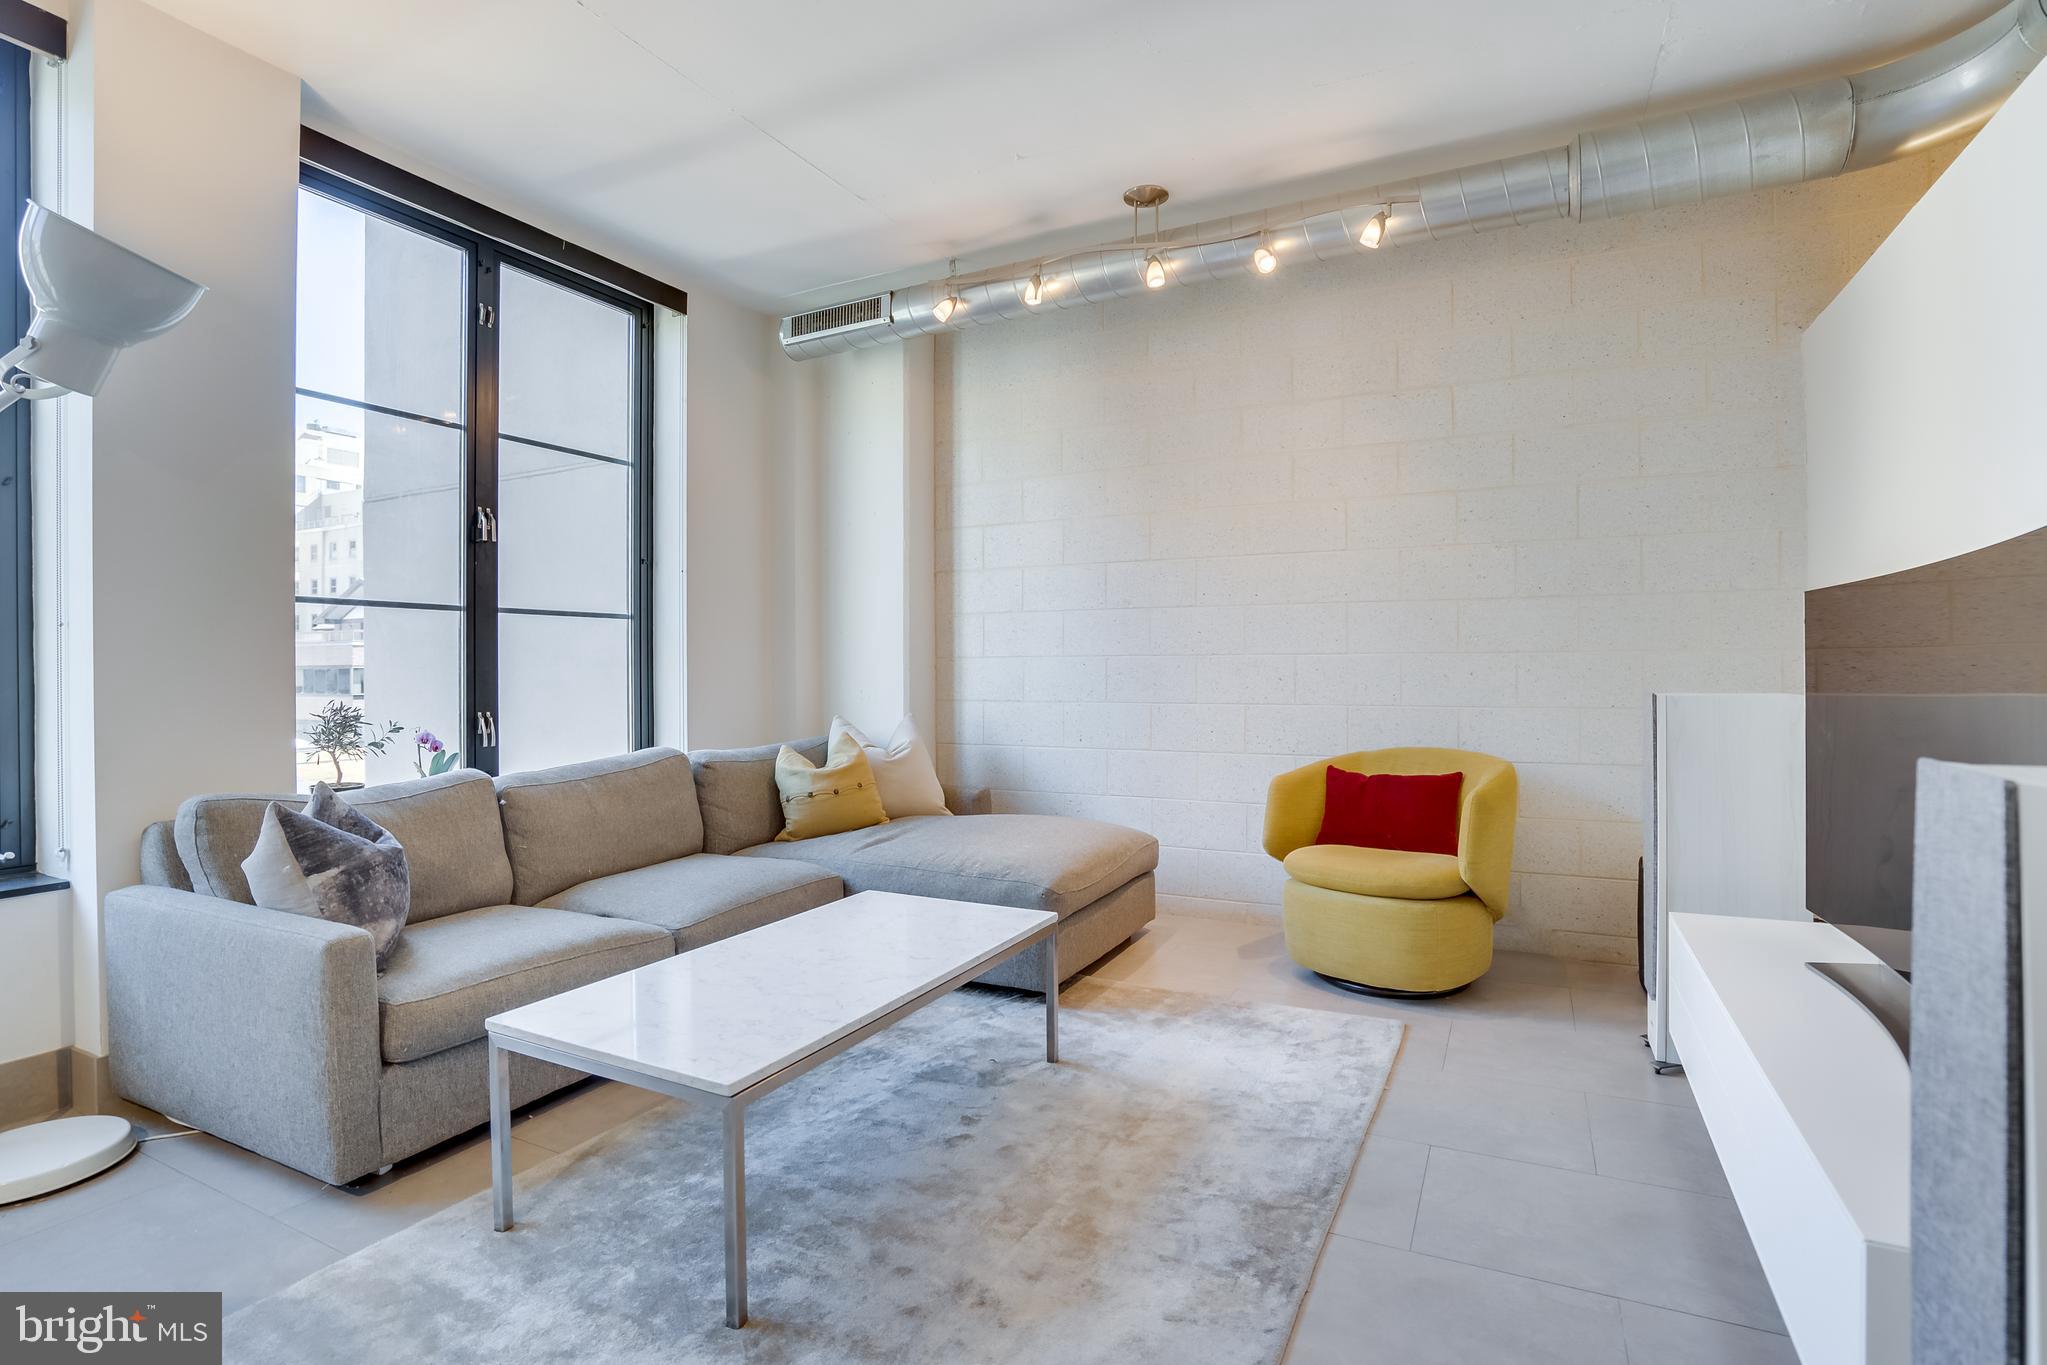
<point>1809,1104</point>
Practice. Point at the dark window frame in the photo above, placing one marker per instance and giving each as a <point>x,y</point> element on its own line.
<point>17,506</point>
<point>486,256</point>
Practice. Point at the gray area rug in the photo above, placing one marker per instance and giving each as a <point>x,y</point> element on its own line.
<point>937,1193</point>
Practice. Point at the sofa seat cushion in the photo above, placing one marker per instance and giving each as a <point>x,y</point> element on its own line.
<point>705,897</point>
<point>1035,862</point>
<point>1394,873</point>
<point>451,973</point>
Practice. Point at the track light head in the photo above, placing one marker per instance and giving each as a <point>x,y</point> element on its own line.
<point>1374,232</point>
<point>1154,272</point>
<point>1034,291</point>
<point>1263,261</point>
<point>946,307</point>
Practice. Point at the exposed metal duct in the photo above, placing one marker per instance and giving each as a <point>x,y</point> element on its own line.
<point>1808,132</point>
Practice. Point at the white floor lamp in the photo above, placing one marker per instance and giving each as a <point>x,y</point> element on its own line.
<point>92,300</point>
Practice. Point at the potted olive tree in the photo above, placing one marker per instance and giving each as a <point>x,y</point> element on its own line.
<point>339,731</point>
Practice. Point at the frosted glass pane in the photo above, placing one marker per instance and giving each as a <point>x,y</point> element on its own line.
<point>397,665</point>
<point>565,531</point>
<point>565,367</point>
<point>381,311</point>
<point>564,690</point>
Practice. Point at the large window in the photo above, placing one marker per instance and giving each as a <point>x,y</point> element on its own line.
<point>17,696</point>
<point>469,496</point>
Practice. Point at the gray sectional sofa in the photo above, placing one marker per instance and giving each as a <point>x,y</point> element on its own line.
<point>276,1031</point>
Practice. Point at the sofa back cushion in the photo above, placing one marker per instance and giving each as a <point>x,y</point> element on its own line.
<point>737,794</point>
<point>161,865</point>
<point>568,825</point>
<point>448,825</point>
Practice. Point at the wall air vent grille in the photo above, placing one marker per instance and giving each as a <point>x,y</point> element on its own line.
<point>837,318</point>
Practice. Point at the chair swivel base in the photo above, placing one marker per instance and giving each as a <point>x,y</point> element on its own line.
<point>1388,992</point>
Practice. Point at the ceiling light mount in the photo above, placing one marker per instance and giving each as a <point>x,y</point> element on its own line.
<point>1140,198</point>
<point>950,303</point>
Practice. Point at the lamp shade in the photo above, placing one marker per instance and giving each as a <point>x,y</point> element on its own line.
<point>92,298</point>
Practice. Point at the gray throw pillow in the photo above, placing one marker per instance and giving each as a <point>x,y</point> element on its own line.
<point>332,862</point>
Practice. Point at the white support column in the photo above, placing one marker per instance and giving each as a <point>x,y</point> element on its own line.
<point>877,527</point>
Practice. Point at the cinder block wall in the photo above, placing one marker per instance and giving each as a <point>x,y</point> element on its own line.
<point>1487,494</point>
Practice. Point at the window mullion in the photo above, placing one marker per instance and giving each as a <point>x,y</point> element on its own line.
<point>643,527</point>
<point>17,673</point>
<point>482,599</point>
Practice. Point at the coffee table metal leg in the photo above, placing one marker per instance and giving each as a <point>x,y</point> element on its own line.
<point>1052,999</point>
<point>500,1137</point>
<point>735,1214</point>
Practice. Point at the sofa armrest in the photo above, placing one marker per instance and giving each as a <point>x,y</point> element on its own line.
<point>255,1025</point>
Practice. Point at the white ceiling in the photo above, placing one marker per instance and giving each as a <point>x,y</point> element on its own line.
<point>794,151</point>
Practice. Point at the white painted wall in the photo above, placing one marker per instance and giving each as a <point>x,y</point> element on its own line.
<point>35,1013</point>
<point>174,634</point>
<point>1487,493</point>
<point>741,582</point>
<point>1922,379</point>
<point>670,513</point>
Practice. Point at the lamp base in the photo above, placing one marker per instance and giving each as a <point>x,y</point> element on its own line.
<point>41,1157</point>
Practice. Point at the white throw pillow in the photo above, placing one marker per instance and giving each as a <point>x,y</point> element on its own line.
<point>902,769</point>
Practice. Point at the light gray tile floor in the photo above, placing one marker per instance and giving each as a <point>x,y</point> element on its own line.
<point>1531,1191</point>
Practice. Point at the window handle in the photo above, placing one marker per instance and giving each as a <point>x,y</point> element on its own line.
<point>491,517</point>
<point>487,729</point>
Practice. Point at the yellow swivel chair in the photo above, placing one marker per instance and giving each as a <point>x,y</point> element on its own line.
<point>1388,922</point>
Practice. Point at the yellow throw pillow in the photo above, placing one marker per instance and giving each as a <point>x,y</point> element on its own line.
<point>841,795</point>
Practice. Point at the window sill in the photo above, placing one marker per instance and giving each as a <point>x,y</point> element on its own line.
<point>29,884</point>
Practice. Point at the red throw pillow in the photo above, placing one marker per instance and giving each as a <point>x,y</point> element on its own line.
<point>1412,811</point>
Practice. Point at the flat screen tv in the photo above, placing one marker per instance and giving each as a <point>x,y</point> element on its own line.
<point>1947,660</point>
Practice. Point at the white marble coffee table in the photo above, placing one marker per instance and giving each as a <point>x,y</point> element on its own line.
<point>727,1023</point>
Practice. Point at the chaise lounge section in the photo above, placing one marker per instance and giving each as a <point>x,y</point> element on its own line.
<point>276,1032</point>
<point>1098,878</point>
